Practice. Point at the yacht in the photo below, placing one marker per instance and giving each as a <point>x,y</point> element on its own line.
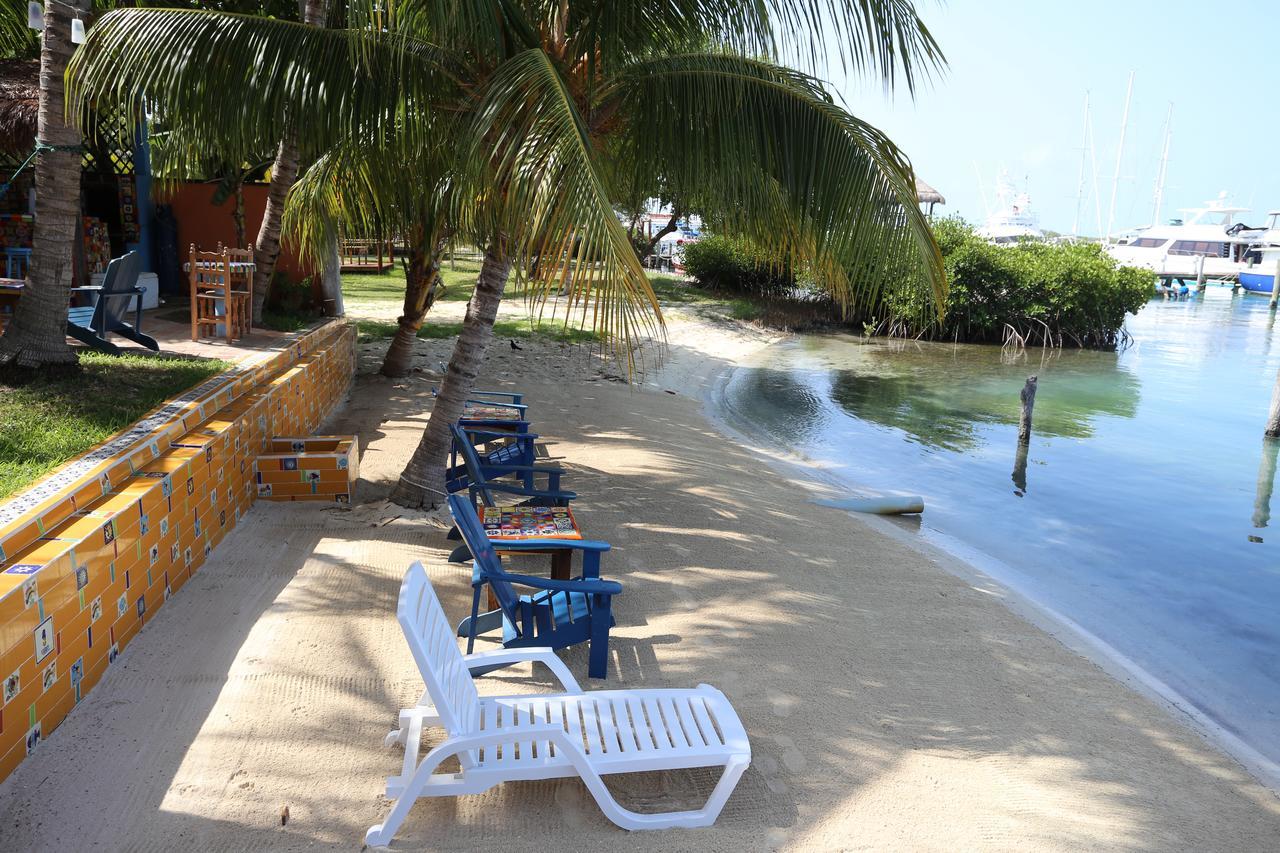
<point>1175,250</point>
<point>1013,220</point>
<point>1259,272</point>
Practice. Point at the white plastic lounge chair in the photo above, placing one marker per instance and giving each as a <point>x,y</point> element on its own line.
<point>506,738</point>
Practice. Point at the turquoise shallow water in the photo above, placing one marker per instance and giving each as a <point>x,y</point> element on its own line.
<point>1144,511</point>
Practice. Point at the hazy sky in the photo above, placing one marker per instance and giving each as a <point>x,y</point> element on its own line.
<point>1013,94</point>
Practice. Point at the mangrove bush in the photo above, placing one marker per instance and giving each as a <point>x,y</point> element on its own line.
<point>1063,294</point>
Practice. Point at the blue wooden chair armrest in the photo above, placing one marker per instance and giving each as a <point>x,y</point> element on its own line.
<point>87,288</point>
<point>522,491</point>
<point>516,398</point>
<point>591,586</point>
<point>497,433</point>
<point>526,474</point>
<point>593,545</point>
<point>536,469</point>
<point>514,404</point>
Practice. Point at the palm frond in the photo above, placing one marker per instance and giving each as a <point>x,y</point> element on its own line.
<point>766,153</point>
<point>537,178</point>
<point>16,40</point>
<point>236,82</point>
<point>371,188</point>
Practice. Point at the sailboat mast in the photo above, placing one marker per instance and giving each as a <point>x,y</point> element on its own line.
<point>1115,180</point>
<point>1163,172</point>
<point>1084,153</point>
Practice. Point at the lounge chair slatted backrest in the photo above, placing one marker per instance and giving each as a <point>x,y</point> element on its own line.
<point>435,650</point>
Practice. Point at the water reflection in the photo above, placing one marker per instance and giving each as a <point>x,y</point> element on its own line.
<point>1266,482</point>
<point>1146,517</point>
<point>939,396</point>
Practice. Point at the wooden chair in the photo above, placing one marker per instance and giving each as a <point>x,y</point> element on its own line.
<point>499,739</point>
<point>117,294</point>
<point>215,299</point>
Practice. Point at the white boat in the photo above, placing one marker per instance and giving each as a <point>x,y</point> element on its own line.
<point>1013,220</point>
<point>1262,258</point>
<point>1175,250</point>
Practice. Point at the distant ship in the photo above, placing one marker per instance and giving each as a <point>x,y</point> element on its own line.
<point>1013,221</point>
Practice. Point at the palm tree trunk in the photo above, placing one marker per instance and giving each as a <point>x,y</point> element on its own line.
<point>266,249</point>
<point>284,171</point>
<point>37,337</point>
<point>422,481</point>
<point>422,288</point>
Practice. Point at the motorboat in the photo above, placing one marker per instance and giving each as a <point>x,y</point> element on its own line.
<point>1207,239</point>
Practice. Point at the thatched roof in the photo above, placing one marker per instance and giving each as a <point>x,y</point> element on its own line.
<point>927,194</point>
<point>19,105</point>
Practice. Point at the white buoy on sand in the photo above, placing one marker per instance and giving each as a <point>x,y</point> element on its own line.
<point>881,505</point>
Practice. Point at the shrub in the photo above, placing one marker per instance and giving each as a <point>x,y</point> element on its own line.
<point>732,265</point>
<point>1070,294</point>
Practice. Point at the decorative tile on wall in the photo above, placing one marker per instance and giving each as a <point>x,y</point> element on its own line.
<point>89,554</point>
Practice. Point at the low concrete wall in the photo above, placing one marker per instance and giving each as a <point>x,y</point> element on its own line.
<point>90,553</point>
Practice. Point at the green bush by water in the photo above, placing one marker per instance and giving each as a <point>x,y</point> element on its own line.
<point>1064,294</point>
<point>731,265</point>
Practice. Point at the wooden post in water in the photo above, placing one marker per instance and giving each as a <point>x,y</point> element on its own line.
<point>1028,397</point>
<point>1275,287</point>
<point>1273,417</point>
<point>1200,274</point>
<point>1266,483</point>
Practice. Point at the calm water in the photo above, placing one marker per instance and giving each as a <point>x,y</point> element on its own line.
<point>1145,511</point>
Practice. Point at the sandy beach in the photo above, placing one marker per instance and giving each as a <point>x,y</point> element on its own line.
<point>891,704</point>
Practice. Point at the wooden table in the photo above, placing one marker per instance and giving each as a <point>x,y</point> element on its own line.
<point>515,523</point>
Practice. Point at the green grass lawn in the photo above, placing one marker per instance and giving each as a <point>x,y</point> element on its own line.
<point>389,286</point>
<point>47,422</point>
<point>380,330</point>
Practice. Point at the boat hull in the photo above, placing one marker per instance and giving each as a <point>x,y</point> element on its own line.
<point>1256,282</point>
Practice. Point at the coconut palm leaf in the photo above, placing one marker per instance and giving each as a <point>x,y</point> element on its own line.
<point>353,189</point>
<point>808,180</point>
<point>16,39</point>
<point>236,82</point>
<point>531,146</point>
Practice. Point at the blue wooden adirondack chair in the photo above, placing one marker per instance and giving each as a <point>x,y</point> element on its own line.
<point>556,614</point>
<point>482,478</point>
<point>492,448</point>
<point>91,324</point>
<point>481,482</point>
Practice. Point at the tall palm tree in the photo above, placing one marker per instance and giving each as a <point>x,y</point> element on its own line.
<point>350,189</point>
<point>266,248</point>
<point>37,336</point>
<point>562,102</point>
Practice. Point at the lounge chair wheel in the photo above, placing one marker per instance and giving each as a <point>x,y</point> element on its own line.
<point>393,738</point>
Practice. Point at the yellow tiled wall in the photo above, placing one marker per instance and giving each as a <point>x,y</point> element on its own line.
<point>90,553</point>
<point>308,468</point>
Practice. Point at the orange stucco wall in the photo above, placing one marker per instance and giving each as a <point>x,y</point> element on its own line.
<point>203,223</point>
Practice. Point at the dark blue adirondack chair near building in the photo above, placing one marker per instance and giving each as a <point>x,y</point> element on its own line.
<point>556,614</point>
<point>118,293</point>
